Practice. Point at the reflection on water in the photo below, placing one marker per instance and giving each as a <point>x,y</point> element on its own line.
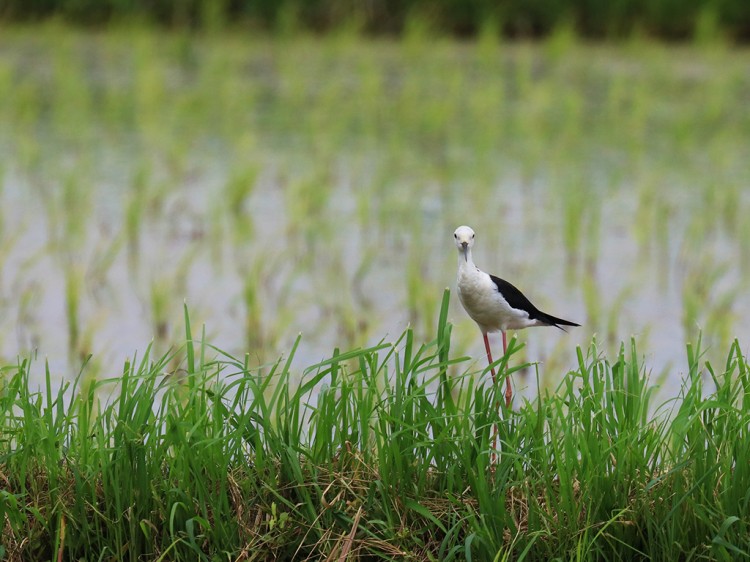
<point>313,186</point>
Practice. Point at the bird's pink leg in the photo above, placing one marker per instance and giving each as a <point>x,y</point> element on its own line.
<point>489,355</point>
<point>493,457</point>
<point>508,391</point>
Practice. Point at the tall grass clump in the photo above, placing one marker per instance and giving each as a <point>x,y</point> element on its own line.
<point>374,453</point>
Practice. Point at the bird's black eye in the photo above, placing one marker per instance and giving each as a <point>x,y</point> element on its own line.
<point>472,236</point>
<point>455,235</point>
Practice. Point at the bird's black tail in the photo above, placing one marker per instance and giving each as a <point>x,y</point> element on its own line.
<point>556,322</point>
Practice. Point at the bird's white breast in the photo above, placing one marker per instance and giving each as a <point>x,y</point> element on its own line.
<point>485,305</point>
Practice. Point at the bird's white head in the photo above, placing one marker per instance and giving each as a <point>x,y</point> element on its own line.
<point>464,239</point>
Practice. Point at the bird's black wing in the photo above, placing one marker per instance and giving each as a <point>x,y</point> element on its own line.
<point>515,298</point>
<point>518,300</point>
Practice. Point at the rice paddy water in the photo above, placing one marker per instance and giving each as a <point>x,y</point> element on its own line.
<point>310,185</point>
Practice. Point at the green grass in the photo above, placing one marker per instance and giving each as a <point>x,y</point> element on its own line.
<point>376,453</point>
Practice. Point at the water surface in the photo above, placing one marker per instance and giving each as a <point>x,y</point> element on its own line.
<point>313,185</point>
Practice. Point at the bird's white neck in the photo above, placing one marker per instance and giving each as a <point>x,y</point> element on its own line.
<point>465,260</point>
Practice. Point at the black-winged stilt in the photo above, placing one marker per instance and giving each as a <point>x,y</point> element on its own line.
<point>493,303</point>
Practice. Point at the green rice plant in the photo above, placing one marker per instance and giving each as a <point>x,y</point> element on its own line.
<point>72,91</point>
<point>224,236</point>
<point>561,41</point>
<point>145,207</point>
<point>307,200</point>
<point>744,251</point>
<point>161,310</point>
<point>268,300</point>
<point>721,200</point>
<point>615,312</point>
<point>421,302</point>
<point>6,81</point>
<point>238,188</point>
<point>103,257</point>
<point>592,300</point>
<point>73,289</point>
<point>26,317</point>
<point>256,333</point>
<point>707,301</point>
<point>66,207</point>
<point>75,206</point>
<point>9,238</point>
<point>135,208</point>
<point>149,89</point>
<point>721,317</point>
<point>418,30</point>
<point>581,217</point>
<point>652,226</point>
<point>22,105</point>
<point>351,308</point>
<point>164,290</point>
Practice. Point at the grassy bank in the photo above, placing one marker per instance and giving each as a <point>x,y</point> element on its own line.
<point>378,453</point>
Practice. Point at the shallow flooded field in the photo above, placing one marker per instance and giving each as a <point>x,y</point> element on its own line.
<point>313,185</point>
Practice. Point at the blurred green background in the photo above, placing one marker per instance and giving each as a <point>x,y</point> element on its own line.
<point>301,166</point>
<point>669,19</point>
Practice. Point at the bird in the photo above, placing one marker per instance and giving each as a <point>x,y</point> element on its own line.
<point>493,303</point>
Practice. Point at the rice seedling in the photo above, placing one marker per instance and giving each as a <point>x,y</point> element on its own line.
<point>592,299</point>
<point>744,251</point>
<point>27,331</point>
<point>353,318</point>
<point>103,256</point>
<point>230,223</point>
<point>73,287</point>
<point>615,313</point>
<point>307,200</point>
<point>707,299</point>
<point>160,299</point>
<point>380,452</point>
<point>149,90</point>
<point>134,209</point>
<point>269,301</point>
<point>254,330</point>
<point>237,190</point>
<point>72,93</point>
<point>580,217</point>
<point>9,239</point>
